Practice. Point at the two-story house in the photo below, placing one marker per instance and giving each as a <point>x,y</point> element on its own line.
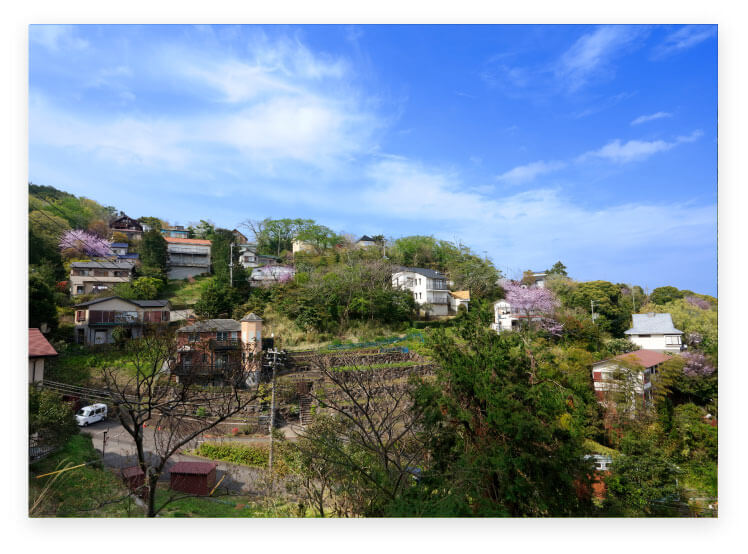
<point>177,232</point>
<point>365,242</point>
<point>427,285</point>
<point>629,375</point>
<point>250,259</point>
<point>127,226</point>
<point>92,277</point>
<point>655,332</point>
<point>216,351</point>
<point>95,320</point>
<point>187,257</point>
<point>122,251</point>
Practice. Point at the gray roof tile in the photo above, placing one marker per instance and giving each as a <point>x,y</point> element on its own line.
<point>653,324</point>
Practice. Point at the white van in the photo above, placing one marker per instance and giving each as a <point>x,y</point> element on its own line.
<point>91,414</point>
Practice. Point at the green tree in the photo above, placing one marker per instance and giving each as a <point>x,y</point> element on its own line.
<point>142,288</point>
<point>217,300</point>
<point>153,251</point>
<point>152,222</point>
<point>663,295</point>
<point>557,269</point>
<point>643,480</point>
<point>42,308</point>
<point>507,440</point>
<point>50,419</point>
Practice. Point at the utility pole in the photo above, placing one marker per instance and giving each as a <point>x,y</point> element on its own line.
<point>231,264</point>
<point>633,300</point>
<point>592,304</point>
<point>274,351</point>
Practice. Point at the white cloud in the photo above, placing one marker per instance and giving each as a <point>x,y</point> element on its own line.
<point>56,37</point>
<point>590,54</point>
<point>634,150</point>
<point>540,224</point>
<point>684,38</point>
<point>528,172</point>
<point>645,118</point>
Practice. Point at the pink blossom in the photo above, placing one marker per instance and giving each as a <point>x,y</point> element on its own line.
<point>87,243</point>
<point>698,302</point>
<point>697,365</point>
<point>529,301</point>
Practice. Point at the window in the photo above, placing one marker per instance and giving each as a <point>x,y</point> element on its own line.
<point>80,315</point>
<point>645,336</point>
<point>222,335</point>
<point>80,289</point>
<point>101,273</point>
<point>672,339</point>
<point>194,337</point>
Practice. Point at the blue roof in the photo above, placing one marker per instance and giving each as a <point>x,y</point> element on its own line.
<point>652,324</point>
<point>128,256</point>
<point>120,245</point>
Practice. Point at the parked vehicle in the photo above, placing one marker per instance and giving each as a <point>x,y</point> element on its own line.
<point>91,414</point>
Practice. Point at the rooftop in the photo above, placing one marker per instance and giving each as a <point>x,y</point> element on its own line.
<point>645,358</point>
<point>193,468</point>
<point>39,345</point>
<point>103,265</point>
<point>365,238</point>
<point>461,294</point>
<point>180,240</point>
<point>653,324</point>
<point>120,245</point>
<point>211,325</point>
<point>140,303</point>
<point>251,317</point>
<point>428,273</point>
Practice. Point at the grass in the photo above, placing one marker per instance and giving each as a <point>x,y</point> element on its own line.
<point>79,363</point>
<point>598,448</point>
<point>78,492</point>
<point>224,506</point>
<point>245,454</point>
<point>182,293</point>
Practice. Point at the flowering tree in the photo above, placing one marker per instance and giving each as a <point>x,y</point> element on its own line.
<point>697,365</point>
<point>698,302</point>
<point>77,241</point>
<point>530,301</point>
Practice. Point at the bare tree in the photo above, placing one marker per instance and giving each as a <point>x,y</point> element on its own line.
<point>370,442</point>
<point>148,402</point>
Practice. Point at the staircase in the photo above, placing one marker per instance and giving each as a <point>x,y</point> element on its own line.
<point>305,409</point>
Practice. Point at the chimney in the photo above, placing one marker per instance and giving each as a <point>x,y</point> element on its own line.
<point>252,332</point>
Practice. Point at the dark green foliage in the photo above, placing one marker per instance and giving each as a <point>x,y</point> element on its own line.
<point>557,269</point>
<point>663,295</point>
<point>220,252</point>
<point>217,300</point>
<point>50,418</point>
<point>612,305</point>
<point>507,441</point>
<point>643,481</point>
<point>152,222</point>
<point>142,288</point>
<point>41,303</point>
<point>153,253</point>
<point>620,346</point>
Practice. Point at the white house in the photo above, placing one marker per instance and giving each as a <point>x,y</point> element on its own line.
<point>640,382</point>
<point>507,317</point>
<point>271,274</point>
<point>365,242</point>
<point>96,320</point>
<point>427,285</point>
<point>655,332</point>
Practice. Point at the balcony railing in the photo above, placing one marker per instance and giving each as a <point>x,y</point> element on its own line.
<point>225,344</point>
<point>100,317</point>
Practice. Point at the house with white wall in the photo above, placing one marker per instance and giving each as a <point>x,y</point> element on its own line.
<point>509,318</point>
<point>633,370</point>
<point>427,285</point>
<point>654,331</point>
<point>458,298</point>
<point>39,350</point>
<point>96,320</point>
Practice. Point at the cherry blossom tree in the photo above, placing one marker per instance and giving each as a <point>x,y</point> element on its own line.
<point>82,242</point>
<point>698,302</point>
<point>530,301</point>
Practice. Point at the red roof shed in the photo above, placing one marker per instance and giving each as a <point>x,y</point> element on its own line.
<point>193,477</point>
<point>38,345</point>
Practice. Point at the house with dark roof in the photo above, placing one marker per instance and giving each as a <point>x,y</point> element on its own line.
<point>627,375</point>
<point>128,226</point>
<point>365,241</point>
<point>96,276</point>
<point>429,288</point>
<point>96,320</point>
<point>39,350</point>
<point>655,332</point>
<point>216,351</point>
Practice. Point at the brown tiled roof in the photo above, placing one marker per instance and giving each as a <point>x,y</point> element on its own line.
<point>193,468</point>
<point>179,240</point>
<point>38,345</point>
<point>132,472</point>
<point>646,358</point>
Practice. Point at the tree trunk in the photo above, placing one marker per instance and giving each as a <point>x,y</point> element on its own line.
<point>152,481</point>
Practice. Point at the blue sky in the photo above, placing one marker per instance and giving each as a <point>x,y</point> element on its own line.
<point>594,145</point>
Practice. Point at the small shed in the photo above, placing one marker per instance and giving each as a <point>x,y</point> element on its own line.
<point>193,477</point>
<point>133,477</point>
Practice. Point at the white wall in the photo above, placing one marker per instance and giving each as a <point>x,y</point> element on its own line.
<point>654,342</point>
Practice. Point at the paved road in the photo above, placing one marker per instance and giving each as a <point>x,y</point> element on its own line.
<point>120,452</point>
